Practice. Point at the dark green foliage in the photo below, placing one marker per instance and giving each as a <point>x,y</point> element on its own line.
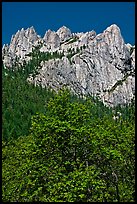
<point>131,50</point>
<point>71,40</point>
<point>75,152</point>
<point>20,101</point>
<point>84,46</point>
<point>71,53</point>
<point>33,65</point>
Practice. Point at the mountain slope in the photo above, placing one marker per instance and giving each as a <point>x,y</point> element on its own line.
<point>101,65</point>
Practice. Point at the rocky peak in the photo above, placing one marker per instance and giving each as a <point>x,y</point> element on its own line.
<point>101,65</point>
<point>113,28</point>
<point>5,49</point>
<point>31,34</point>
<point>23,36</point>
<point>52,39</point>
<point>113,35</point>
<point>21,44</point>
<point>64,33</point>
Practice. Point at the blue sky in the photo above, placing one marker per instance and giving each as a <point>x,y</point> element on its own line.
<point>78,16</point>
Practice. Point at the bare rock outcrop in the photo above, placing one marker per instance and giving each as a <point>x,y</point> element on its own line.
<point>52,39</point>
<point>21,44</point>
<point>101,65</point>
<point>64,33</point>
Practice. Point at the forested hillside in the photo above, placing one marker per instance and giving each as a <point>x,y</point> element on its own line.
<point>59,147</point>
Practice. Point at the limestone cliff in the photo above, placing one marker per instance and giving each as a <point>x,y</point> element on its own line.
<point>101,65</point>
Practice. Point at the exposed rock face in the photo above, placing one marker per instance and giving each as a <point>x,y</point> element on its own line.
<point>52,39</point>
<point>64,33</point>
<point>101,65</point>
<point>133,58</point>
<point>21,44</point>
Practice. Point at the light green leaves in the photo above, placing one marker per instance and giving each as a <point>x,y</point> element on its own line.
<point>72,153</point>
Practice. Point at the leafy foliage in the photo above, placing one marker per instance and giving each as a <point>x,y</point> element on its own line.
<point>75,152</point>
<point>20,99</point>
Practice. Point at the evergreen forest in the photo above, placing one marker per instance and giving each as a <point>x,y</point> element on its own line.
<point>59,147</point>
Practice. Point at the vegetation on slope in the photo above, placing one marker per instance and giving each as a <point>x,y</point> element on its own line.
<point>20,101</point>
<point>57,147</point>
<point>72,153</point>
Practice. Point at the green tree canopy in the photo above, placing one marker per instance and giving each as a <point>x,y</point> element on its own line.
<point>68,157</point>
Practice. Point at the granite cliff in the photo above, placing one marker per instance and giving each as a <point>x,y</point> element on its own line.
<point>89,64</point>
